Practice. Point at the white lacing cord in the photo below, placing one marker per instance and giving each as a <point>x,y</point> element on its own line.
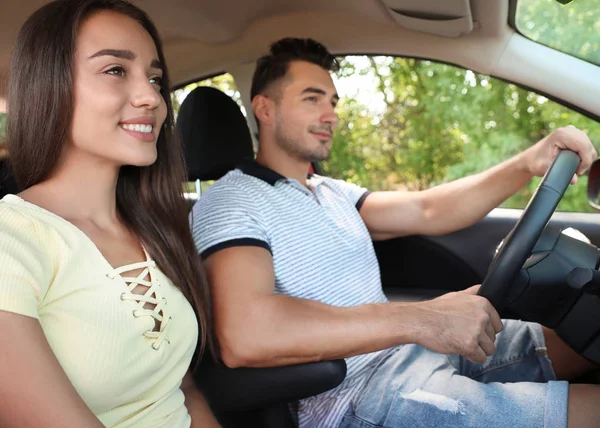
<point>149,296</point>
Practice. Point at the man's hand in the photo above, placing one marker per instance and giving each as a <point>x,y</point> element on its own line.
<point>460,323</point>
<point>539,157</point>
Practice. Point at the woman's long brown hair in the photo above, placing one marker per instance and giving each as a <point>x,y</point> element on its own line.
<point>40,110</point>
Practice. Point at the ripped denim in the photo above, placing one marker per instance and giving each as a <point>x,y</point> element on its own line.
<point>514,388</point>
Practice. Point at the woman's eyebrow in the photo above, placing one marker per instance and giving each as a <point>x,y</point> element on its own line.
<point>124,54</point>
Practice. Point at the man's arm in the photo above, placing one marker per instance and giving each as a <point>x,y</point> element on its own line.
<point>257,328</point>
<point>456,205</point>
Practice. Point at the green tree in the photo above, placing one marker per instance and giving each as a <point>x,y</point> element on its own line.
<point>436,123</point>
<point>2,134</point>
<point>417,123</point>
<point>573,28</point>
<point>2,126</point>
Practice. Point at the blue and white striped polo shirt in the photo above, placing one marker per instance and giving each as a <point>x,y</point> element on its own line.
<point>321,250</point>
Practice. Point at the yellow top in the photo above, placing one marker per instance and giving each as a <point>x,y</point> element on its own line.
<point>126,362</point>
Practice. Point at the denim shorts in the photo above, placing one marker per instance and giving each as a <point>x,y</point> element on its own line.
<point>515,388</point>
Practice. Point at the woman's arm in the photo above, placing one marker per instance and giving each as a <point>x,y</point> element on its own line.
<point>34,389</point>
<point>197,406</point>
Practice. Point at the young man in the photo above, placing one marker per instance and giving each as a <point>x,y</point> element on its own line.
<point>295,278</point>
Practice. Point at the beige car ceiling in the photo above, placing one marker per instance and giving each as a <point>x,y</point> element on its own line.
<point>202,37</point>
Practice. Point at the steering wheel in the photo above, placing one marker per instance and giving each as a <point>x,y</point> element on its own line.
<point>519,243</point>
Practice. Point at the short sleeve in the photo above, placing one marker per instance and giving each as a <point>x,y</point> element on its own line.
<point>355,194</point>
<point>225,216</point>
<point>25,268</point>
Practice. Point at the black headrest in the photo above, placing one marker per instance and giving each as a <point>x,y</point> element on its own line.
<point>7,182</point>
<point>214,134</point>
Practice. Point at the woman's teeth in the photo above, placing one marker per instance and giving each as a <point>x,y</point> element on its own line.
<point>139,128</point>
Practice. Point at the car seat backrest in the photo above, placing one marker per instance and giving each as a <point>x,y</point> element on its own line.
<point>214,134</point>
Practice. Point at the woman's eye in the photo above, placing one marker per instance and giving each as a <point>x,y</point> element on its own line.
<point>116,71</point>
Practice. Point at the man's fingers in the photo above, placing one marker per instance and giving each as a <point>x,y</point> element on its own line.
<point>472,290</point>
<point>486,344</point>
<point>477,357</point>
<point>496,321</point>
<point>578,141</point>
<point>575,178</point>
<point>574,139</point>
<point>490,332</point>
<point>587,158</point>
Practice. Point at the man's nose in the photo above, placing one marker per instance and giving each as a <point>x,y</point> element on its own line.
<point>330,116</point>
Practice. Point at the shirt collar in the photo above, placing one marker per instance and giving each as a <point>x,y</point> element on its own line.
<point>265,173</point>
<point>261,172</point>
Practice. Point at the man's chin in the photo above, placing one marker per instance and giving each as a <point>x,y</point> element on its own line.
<point>312,156</point>
<point>319,157</point>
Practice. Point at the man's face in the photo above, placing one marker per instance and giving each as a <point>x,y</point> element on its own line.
<point>305,115</point>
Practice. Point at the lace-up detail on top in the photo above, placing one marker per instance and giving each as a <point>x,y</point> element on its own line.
<point>149,304</point>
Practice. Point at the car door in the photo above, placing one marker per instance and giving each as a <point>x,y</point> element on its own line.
<point>417,267</point>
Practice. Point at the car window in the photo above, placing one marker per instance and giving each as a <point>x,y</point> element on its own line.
<point>223,82</point>
<point>411,124</point>
<point>570,26</point>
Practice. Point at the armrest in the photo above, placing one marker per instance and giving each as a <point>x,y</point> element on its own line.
<point>253,388</point>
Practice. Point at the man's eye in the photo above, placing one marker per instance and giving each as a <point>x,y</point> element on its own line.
<point>116,71</point>
<point>311,99</point>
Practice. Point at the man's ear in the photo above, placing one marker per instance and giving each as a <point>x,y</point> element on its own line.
<point>264,109</point>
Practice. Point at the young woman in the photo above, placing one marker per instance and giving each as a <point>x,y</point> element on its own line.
<point>103,302</point>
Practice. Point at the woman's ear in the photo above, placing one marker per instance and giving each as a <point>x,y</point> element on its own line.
<point>264,109</point>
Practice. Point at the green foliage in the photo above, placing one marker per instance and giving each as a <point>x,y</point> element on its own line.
<point>2,134</point>
<point>2,127</point>
<point>430,123</point>
<point>573,28</point>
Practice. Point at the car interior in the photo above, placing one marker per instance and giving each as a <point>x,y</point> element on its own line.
<point>556,275</point>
